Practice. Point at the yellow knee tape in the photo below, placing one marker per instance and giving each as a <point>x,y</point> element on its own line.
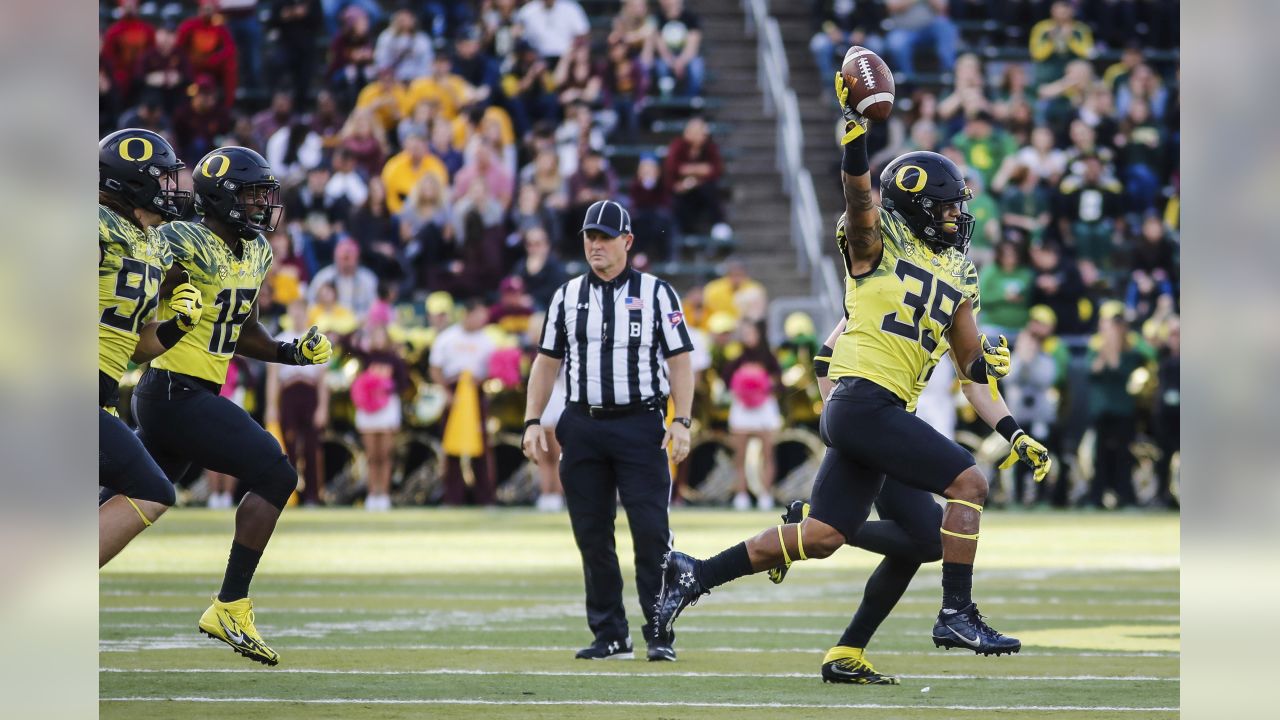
<point>145,521</point>
<point>786,557</point>
<point>800,541</point>
<point>966,503</point>
<point>959,535</point>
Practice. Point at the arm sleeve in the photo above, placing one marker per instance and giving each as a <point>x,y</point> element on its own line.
<point>672,331</point>
<point>553,333</point>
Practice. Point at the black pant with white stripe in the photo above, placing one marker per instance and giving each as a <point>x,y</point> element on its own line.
<point>603,459</point>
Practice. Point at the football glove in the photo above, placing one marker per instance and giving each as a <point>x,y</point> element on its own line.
<point>995,360</point>
<point>855,125</point>
<point>313,348</point>
<point>1030,451</point>
<point>187,306</point>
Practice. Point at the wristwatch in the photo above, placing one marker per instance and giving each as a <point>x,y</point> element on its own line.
<point>683,421</point>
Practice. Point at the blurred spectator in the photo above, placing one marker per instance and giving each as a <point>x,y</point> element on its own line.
<point>418,120</point>
<point>327,120</point>
<point>403,48</point>
<point>296,24</point>
<point>514,306</point>
<point>721,296</point>
<point>578,133</point>
<point>297,401</point>
<point>164,70</point>
<point>1014,87</point>
<point>1038,361</point>
<point>626,84</point>
<point>329,315</point>
<point>1166,419</point>
<point>1146,294</point>
<point>540,270</point>
<point>753,377</point>
<point>593,181</point>
<point>1044,161</point>
<point>345,183</point>
<point>551,26</point>
<point>427,204</point>
<point>403,170</point>
<point>1084,143</point>
<point>1141,154</point>
<point>148,114</point>
<point>441,145</point>
<point>968,96</point>
<point>1143,84</point>
<point>1057,40</point>
<point>839,24</point>
<point>528,84</point>
<point>474,263</point>
<point>460,360</point>
<point>1006,291</point>
<point>545,175</point>
<point>1024,202</point>
<point>576,78</point>
<point>634,29</point>
<point>987,230</point>
<point>293,150</point>
<point>210,49</point>
<point>1059,286</point>
<point>917,23</point>
<point>1061,98</point>
<point>484,167</point>
<point>377,231</point>
<point>386,97</point>
<point>356,286</point>
<point>1154,251</point>
<point>530,212</point>
<point>692,170</point>
<point>1086,209</point>
<point>351,55</point>
<point>651,219</point>
<point>1117,73</point>
<point>1112,359</point>
<point>440,86</point>
<point>124,44</point>
<point>366,142</point>
<point>277,115</point>
<point>984,145</point>
<point>1099,112</point>
<point>199,122</point>
<point>376,393</point>
<point>500,27</point>
<point>476,68</point>
<point>241,17</point>
<point>678,62</point>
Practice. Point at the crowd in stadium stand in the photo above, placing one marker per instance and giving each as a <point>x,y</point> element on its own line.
<point>437,157</point>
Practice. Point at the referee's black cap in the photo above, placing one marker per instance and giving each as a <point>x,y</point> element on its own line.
<point>608,217</point>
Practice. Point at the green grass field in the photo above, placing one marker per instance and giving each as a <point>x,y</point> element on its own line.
<point>452,614</point>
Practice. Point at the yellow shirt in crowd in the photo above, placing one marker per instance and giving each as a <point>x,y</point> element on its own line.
<point>400,174</point>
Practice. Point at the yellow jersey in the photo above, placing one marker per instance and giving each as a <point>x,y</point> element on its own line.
<point>900,312</point>
<point>228,285</point>
<point>131,268</point>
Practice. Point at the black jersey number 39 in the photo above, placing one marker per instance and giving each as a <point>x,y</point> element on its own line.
<point>235,305</point>
<point>930,286</point>
<point>132,282</point>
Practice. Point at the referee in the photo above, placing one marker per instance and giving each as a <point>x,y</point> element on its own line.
<point>623,336</point>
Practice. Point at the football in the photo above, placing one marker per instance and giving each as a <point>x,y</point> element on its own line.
<point>870,83</point>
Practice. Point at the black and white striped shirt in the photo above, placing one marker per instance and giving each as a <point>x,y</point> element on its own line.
<point>614,337</point>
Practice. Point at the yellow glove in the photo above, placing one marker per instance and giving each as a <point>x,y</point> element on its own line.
<point>996,360</point>
<point>313,348</point>
<point>1030,451</point>
<point>187,306</point>
<point>855,125</point>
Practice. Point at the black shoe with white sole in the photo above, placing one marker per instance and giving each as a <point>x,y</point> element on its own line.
<point>659,652</point>
<point>607,650</point>
<point>965,629</point>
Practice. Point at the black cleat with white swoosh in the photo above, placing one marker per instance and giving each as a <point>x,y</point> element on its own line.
<point>965,629</point>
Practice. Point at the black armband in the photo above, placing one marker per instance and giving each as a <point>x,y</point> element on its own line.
<point>855,160</point>
<point>978,371</point>
<point>169,333</point>
<point>287,354</point>
<point>822,362</point>
<point>531,422</point>
<point>1008,428</point>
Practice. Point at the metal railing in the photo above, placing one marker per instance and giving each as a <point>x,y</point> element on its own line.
<point>780,102</point>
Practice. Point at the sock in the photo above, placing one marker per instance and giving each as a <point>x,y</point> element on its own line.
<point>240,568</point>
<point>884,589</point>
<point>729,565</point>
<point>957,584</point>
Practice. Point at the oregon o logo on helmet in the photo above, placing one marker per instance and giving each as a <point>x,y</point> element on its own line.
<point>146,153</point>
<point>921,179</point>
<point>222,169</point>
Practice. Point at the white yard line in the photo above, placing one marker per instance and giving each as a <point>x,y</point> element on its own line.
<point>569,673</point>
<point>635,703</point>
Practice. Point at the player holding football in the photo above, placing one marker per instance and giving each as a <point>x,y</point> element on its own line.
<point>182,418</point>
<point>910,293</point>
<point>906,533</point>
<point>137,191</point>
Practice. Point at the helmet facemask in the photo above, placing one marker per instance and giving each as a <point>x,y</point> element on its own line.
<point>257,207</point>
<point>169,202</point>
<point>940,232</point>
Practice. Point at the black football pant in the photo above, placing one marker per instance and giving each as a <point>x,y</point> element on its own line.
<point>602,460</point>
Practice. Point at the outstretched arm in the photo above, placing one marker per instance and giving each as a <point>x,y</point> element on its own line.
<point>862,220</point>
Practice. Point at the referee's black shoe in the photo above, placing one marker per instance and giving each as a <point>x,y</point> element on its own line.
<point>661,652</point>
<point>965,629</point>
<point>607,650</point>
<point>680,589</point>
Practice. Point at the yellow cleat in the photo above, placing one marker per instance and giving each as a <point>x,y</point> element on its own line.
<point>232,623</point>
<point>850,666</point>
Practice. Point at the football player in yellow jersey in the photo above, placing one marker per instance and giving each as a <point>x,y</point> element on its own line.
<point>181,416</point>
<point>137,191</point>
<point>910,293</point>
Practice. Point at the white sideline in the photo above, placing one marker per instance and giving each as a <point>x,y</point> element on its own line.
<point>638,703</point>
<point>571,673</point>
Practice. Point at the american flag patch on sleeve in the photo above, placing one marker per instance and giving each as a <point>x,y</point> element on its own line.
<point>634,303</point>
